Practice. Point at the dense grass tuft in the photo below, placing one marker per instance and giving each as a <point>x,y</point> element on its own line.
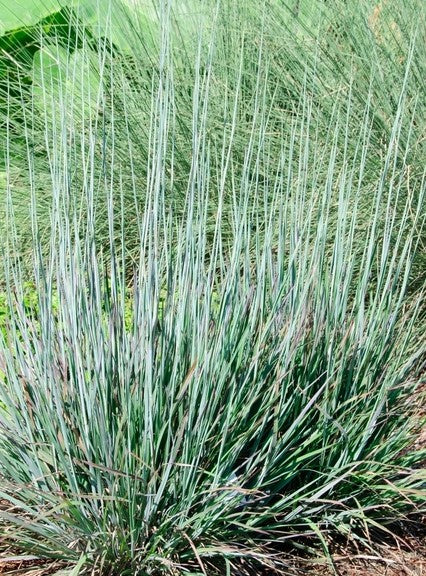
<point>219,354</point>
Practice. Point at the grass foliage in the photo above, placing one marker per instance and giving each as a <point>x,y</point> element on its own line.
<point>218,354</point>
<point>238,71</point>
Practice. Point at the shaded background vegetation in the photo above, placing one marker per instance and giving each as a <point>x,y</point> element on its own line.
<point>343,56</point>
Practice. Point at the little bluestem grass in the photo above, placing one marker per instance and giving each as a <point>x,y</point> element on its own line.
<point>242,381</point>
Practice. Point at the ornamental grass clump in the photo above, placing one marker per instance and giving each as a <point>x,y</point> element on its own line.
<point>236,383</point>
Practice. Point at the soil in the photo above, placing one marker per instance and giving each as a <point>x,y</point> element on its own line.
<point>408,558</point>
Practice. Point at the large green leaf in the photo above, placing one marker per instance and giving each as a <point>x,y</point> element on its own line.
<point>14,14</point>
<point>26,13</point>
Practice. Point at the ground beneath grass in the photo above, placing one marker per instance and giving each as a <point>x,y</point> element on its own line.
<point>405,556</point>
<point>405,559</point>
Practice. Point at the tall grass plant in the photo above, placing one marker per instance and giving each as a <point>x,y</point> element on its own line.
<point>221,357</point>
